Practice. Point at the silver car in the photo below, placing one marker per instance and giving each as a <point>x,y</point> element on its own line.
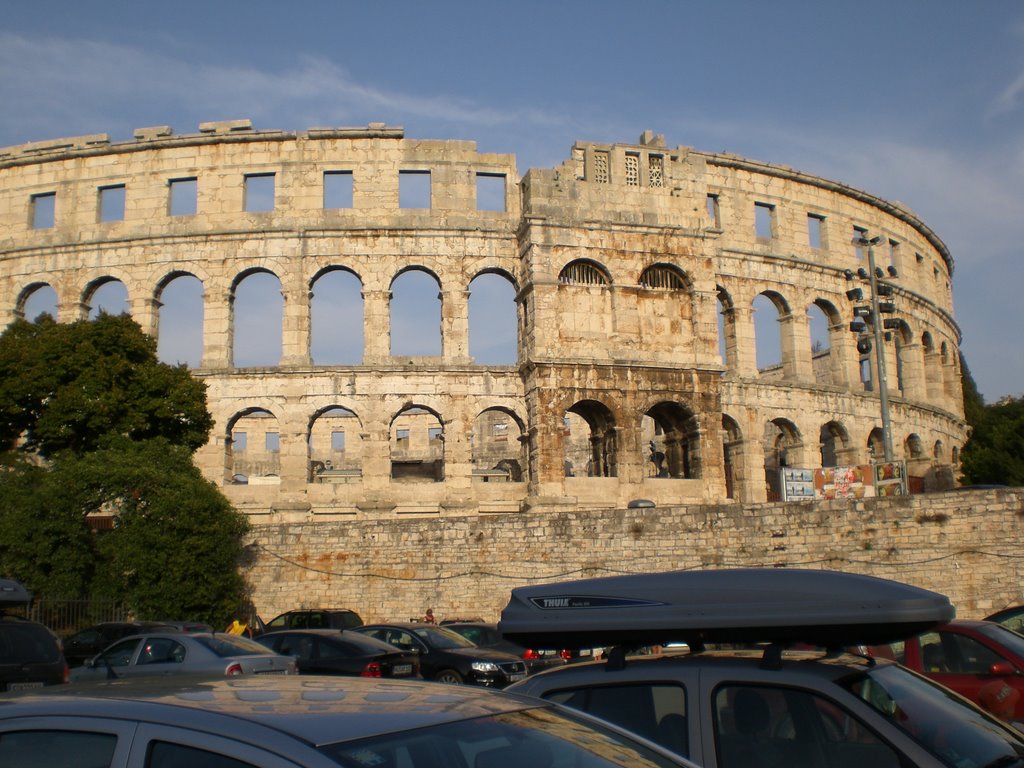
<point>172,653</point>
<point>311,722</point>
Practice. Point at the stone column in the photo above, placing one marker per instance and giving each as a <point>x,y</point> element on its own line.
<point>218,327</point>
<point>376,327</point>
<point>795,337</point>
<point>146,312</point>
<point>295,333</point>
<point>745,341</point>
<point>455,326</point>
<point>842,357</point>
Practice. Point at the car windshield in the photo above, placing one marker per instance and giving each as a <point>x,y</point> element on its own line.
<point>439,637</point>
<point>539,738</point>
<point>955,732</point>
<point>227,646</point>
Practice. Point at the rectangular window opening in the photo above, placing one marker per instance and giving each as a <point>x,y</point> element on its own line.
<point>338,442</point>
<point>337,189</point>
<point>490,192</point>
<point>815,231</point>
<point>414,189</point>
<point>238,441</point>
<point>44,210</point>
<point>632,169</point>
<point>273,441</point>
<point>184,196</point>
<point>859,234</point>
<point>714,219</point>
<point>656,170</point>
<point>112,203</point>
<point>764,221</point>
<point>259,192</point>
<point>894,252</point>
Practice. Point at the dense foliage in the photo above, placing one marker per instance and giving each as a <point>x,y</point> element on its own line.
<point>994,454</point>
<point>93,424</point>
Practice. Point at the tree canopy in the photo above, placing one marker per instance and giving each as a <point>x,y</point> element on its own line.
<point>92,424</point>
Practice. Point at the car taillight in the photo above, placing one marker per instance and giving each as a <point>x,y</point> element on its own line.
<point>67,673</point>
<point>234,669</point>
<point>566,654</point>
<point>530,655</point>
<point>371,670</point>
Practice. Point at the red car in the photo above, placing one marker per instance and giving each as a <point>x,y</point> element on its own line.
<point>981,660</point>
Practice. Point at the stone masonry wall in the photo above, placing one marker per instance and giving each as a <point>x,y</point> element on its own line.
<point>966,544</point>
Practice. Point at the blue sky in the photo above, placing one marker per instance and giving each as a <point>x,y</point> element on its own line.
<point>920,101</point>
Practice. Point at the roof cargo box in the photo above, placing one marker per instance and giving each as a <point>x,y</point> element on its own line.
<point>751,605</point>
<point>13,594</point>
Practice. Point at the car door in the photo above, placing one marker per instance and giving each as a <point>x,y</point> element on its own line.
<point>971,666</point>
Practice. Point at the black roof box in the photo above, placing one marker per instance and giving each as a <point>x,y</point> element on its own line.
<point>13,594</point>
<point>750,605</point>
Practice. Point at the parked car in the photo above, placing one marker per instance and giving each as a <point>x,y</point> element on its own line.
<point>340,652</point>
<point>30,656</point>
<point>980,660</point>
<point>448,657</point>
<point>762,705</point>
<point>316,618</point>
<point>304,722</point>
<point>88,642</point>
<point>486,635</point>
<point>1011,618</point>
<point>179,653</point>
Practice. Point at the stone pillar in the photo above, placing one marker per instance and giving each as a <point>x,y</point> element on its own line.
<point>455,326</point>
<point>842,356</point>
<point>933,378</point>
<point>295,333</point>
<point>218,327</point>
<point>712,456</point>
<point>913,372</point>
<point>376,327</point>
<point>745,341</point>
<point>146,312</point>
<point>795,338</point>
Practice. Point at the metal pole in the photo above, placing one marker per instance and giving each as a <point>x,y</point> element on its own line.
<point>883,387</point>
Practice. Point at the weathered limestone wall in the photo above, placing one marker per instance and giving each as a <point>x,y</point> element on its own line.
<point>966,544</point>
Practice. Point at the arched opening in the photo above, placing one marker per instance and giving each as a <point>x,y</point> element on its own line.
<point>732,449</point>
<point>38,299</point>
<point>498,447</point>
<point>336,318</point>
<point>335,446</point>
<point>902,338</point>
<point>417,445</point>
<point>782,444</point>
<point>253,448</point>
<point>493,324</point>
<point>416,314</point>
<point>822,319</point>
<point>583,272</point>
<point>108,295</point>
<point>257,309</point>
<point>833,441</point>
<point>590,441</point>
<point>180,337</point>
<point>913,448</point>
<point>876,446</point>
<point>769,310</point>
<point>672,439</point>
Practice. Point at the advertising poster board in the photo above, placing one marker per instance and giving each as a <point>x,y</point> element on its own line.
<point>852,482</point>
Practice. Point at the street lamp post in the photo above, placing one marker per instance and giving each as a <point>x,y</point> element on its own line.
<point>874,319</point>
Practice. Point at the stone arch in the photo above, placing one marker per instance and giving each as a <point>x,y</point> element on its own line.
<point>257,318</point>
<point>253,447</point>
<point>770,309</point>
<point>415,312</point>
<point>335,445</point>
<point>667,277</point>
<point>671,433</point>
<point>665,307</point>
<point>727,340</point>
<point>584,272</point>
<point>876,445</point>
<point>938,450</point>
<point>105,294</point>
<point>498,446</point>
<point>336,316</point>
<point>416,438</point>
<point>493,318</point>
<point>36,299</point>
<point>591,440</point>
<point>782,445</point>
<point>903,340</point>
<point>824,324</point>
<point>834,442</point>
<point>733,450</point>
<point>180,316</point>
<point>913,447</point>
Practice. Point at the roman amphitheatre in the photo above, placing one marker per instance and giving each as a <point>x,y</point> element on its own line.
<point>680,321</point>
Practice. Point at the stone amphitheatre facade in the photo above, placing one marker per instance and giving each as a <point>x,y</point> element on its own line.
<point>630,274</point>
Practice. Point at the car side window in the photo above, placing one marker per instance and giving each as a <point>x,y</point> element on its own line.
<point>968,656</point>
<point>164,754</point>
<point>656,711</point>
<point>473,634</point>
<point>162,650</point>
<point>280,622</point>
<point>71,749</point>
<point>120,655</point>
<point>765,725</point>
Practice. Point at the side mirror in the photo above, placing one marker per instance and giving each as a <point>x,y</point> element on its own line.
<point>1002,669</point>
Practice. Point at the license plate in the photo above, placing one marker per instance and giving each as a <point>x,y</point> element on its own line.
<point>401,669</point>
<point>516,677</point>
<point>23,686</point>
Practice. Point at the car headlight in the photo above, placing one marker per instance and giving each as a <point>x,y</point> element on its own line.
<point>484,666</point>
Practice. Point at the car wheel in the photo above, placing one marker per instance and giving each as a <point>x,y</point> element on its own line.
<point>449,676</point>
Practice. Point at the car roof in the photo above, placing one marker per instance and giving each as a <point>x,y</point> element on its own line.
<point>345,635</point>
<point>316,709</point>
<point>742,605</point>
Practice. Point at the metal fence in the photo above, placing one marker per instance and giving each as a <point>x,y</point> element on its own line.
<point>66,617</point>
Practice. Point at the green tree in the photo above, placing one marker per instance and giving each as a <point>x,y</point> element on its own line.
<point>92,422</point>
<point>74,386</point>
<point>995,451</point>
